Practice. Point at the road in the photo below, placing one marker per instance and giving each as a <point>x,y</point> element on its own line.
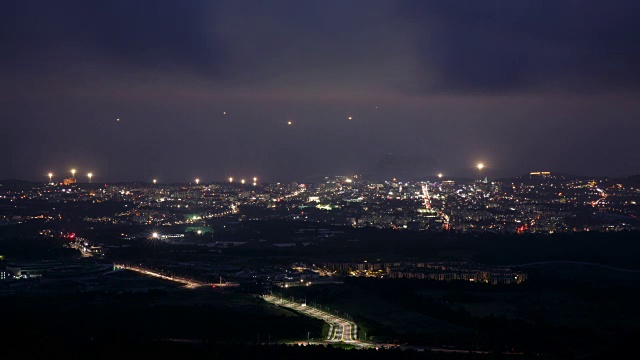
<point>188,283</point>
<point>340,329</point>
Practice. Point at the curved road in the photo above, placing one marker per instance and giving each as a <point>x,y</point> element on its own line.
<point>340,329</point>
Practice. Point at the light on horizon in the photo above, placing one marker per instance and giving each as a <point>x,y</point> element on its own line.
<point>90,175</point>
<point>480,166</point>
<point>242,181</point>
<point>155,181</point>
<point>73,173</point>
<point>230,179</point>
<point>197,181</point>
<point>440,175</point>
<point>50,177</point>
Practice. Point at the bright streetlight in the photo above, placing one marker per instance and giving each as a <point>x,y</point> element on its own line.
<point>242,181</point>
<point>230,179</point>
<point>197,181</point>
<point>440,175</point>
<point>73,173</point>
<point>480,166</point>
<point>155,181</point>
<point>50,177</point>
<point>90,175</point>
<point>154,235</point>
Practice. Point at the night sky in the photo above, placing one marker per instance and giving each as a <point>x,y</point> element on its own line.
<point>431,86</point>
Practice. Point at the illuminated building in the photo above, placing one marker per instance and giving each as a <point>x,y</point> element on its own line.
<point>69,181</point>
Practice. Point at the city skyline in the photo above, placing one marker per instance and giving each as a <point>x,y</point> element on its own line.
<point>481,172</point>
<point>296,89</point>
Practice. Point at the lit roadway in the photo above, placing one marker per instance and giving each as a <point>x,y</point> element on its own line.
<point>191,284</point>
<point>340,329</point>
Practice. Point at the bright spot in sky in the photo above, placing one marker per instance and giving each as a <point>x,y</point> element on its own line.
<point>350,118</point>
<point>289,122</point>
<point>118,119</point>
<point>224,113</point>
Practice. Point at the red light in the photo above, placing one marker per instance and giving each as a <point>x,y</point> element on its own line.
<point>72,236</point>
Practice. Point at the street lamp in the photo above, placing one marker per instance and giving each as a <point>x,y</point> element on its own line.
<point>90,175</point>
<point>73,173</point>
<point>440,176</point>
<point>242,181</point>
<point>480,166</point>
<point>230,179</point>
<point>50,178</point>
<point>155,181</point>
<point>197,181</point>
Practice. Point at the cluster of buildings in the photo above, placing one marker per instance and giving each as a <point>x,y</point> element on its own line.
<point>438,271</point>
<point>540,202</point>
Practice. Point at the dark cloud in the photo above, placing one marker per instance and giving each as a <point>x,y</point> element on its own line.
<point>502,46</point>
<point>144,35</point>
<point>440,84</point>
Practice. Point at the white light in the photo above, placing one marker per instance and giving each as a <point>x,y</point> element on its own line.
<point>155,181</point>
<point>440,176</point>
<point>480,166</point>
<point>242,181</point>
<point>197,181</point>
<point>230,179</point>
<point>154,235</point>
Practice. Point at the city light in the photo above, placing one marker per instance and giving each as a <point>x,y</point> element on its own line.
<point>242,181</point>
<point>50,177</point>
<point>90,175</point>
<point>480,166</point>
<point>289,122</point>
<point>255,179</point>
<point>440,175</point>
<point>155,235</point>
<point>350,118</point>
<point>230,179</point>
<point>73,173</point>
<point>155,181</point>
<point>197,181</point>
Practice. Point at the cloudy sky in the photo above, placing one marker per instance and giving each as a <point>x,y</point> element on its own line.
<point>430,86</point>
